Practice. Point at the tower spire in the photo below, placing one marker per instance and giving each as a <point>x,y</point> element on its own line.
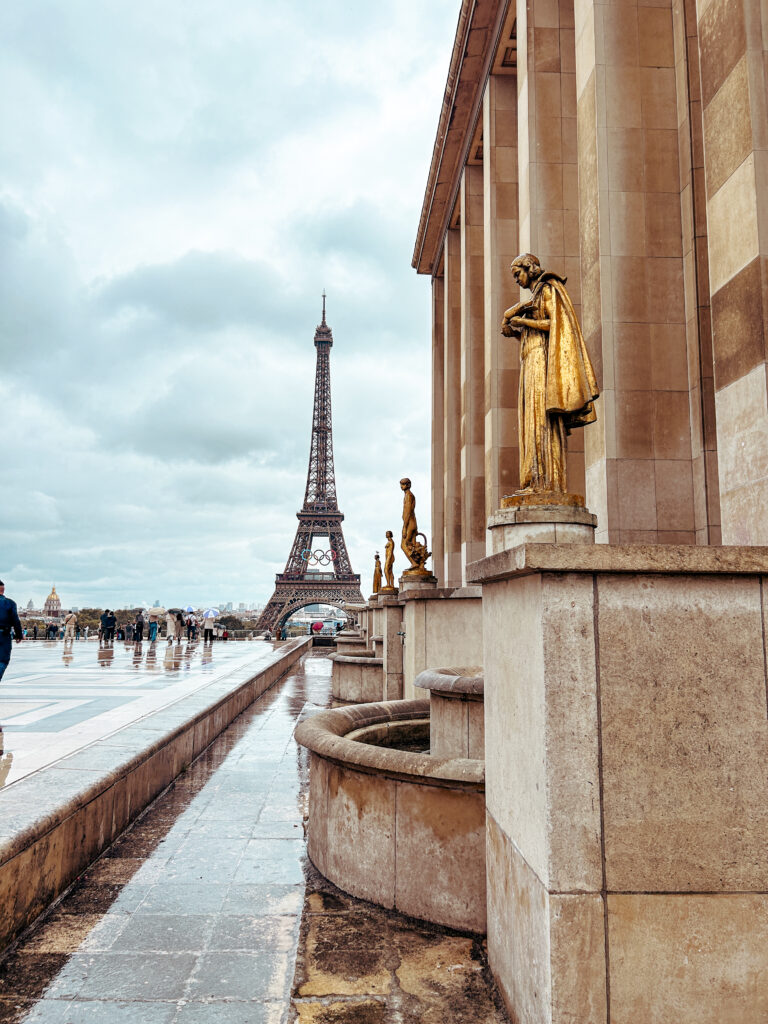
<point>324,323</point>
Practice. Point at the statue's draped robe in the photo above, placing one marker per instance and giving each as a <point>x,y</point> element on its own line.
<point>557,387</point>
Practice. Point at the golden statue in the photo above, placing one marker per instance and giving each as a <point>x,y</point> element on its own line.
<point>389,561</point>
<point>557,383</point>
<point>377,574</point>
<point>415,551</point>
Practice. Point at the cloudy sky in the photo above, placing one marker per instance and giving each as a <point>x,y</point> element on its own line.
<point>179,180</point>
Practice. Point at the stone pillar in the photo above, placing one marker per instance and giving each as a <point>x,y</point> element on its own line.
<point>639,477</point>
<point>391,629</point>
<point>501,244</point>
<point>549,203</point>
<point>626,739</point>
<point>450,572</point>
<point>472,374</point>
<point>733,45</point>
<point>438,430</point>
<point>698,319</point>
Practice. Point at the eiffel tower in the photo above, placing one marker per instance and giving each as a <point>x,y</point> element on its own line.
<point>314,574</point>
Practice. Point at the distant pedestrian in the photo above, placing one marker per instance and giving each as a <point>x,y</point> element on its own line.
<point>208,631</point>
<point>77,631</point>
<point>191,626</point>
<point>34,632</point>
<point>86,631</point>
<point>109,625</point>
<point>152,628</point>
<point>138,628</point>
<point>70,621</point>
<point>170,625</point>
<point>103,624</point>
<point>178,629</point>
<point>10,628</point>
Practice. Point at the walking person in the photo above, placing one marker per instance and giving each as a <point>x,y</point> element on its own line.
<point>10,626</point>
<point>138,628</point>
<point>70,621</point>
<point>170,625</point>
<point>109,621</point>
<point>34,632</point>
<point>179,627</point>
<point>152,628</point>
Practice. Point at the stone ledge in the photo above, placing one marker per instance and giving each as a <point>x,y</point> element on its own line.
<point>57,821</point>
<point>618,558</point>
<point>453,682</point>
<point>442,594</point>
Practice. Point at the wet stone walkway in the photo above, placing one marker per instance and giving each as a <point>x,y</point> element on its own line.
<point>207,910</point>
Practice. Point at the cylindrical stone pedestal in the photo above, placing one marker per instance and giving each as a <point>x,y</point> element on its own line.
<point>540,524</point>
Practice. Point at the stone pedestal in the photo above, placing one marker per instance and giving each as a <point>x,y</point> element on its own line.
<point>392,632</point>
<point>456,722</point>
<point>421,581</point>
<point>442,625</point>
<point>626,740</point>
<point>540,524</point>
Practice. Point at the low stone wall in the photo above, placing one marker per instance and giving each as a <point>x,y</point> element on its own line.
<point>56,822</point>
<point>401,829</point>
<point>357,678</point>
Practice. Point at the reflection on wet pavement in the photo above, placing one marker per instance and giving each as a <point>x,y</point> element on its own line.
<point>195,915</point>
<point>58,696</point>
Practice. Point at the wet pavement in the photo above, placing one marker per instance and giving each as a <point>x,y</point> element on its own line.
<point>207,911</point>
<point>57,697</point>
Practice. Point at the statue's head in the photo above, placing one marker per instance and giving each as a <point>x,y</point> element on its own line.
<point>525,269</point>
<point>389,535</point>
<point>405,484</point>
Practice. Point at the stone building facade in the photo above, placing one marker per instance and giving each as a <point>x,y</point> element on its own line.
<point>625,145</point>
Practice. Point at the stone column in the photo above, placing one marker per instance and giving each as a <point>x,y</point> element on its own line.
<point>732,38</point>
<point>549,204</point>
<point>450,572</point>
<point>472,358</point>
<point>639,477</point>
<point>501,244</point>
<point>698,319</point>
<point>438,430</point>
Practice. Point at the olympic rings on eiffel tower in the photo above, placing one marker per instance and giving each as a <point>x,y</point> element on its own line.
<point>318,556</point>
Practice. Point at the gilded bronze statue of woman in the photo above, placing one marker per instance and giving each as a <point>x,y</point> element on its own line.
<point>557,382</point>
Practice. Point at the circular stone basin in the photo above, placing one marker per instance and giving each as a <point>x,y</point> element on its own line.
<point>457,715</point>
<point>401,828</point>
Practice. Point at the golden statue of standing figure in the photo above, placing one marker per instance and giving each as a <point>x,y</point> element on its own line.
<point>377,574</point>
<point>413,549</point>
<point>389,563</point>
<point>557,383</point>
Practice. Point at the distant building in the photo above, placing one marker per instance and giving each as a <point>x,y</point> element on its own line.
<point>52,606</point>
<point>30,605</point>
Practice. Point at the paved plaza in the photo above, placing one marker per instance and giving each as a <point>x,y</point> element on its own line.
<point>58,697</point>
<point>207,911</point>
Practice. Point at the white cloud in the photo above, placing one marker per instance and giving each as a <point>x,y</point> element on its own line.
<point>179,184</point>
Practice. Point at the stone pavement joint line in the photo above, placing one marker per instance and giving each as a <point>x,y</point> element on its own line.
<point>207,911</point>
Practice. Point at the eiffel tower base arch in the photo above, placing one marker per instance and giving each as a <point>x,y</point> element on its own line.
<point>290,597</point>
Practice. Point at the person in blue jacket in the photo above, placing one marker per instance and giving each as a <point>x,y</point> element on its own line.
<point>9,621</point>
